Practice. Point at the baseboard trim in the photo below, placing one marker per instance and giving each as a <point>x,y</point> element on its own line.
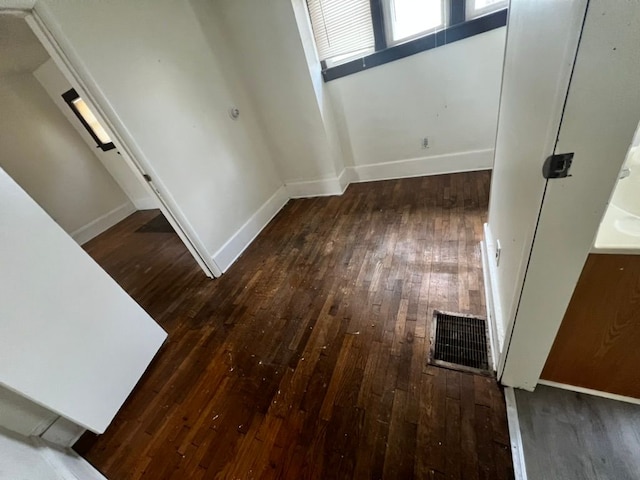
<point>63,433</point>
<point>419,167</point>
<point>102,223</point>
<point>243,237</point>
<point>491,290</point>
<point>493,334</point>
<point>515,436</point>
<point>414,167</point>
<point>588,391</point>
<point>318,188</point>
<point>344,180</point>
<point>147,203</point>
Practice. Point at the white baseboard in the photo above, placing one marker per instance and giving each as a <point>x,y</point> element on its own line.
<point>22,416</point>
<point>66,463</point>
<point>240,240</point>
<point>493,334</point>
<point>414,167</point>
<point>344,180</point>
<point>490,276</point>
<point>146,203</point>
<point>63,433</point>
<point>318,188</point>
<point>588,391</point>
<point>515,436</point>
<point>419,167</point>
<point>102,223</point>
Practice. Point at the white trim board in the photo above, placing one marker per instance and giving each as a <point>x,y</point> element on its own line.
<point>147,203</point>
<point>63,432</point>
<point>419,167</point>
<point>491,290</point>
<point>414,167</point>
<point>102,223</point>
<point>515,437</point>
<point>493,335</point>
<point>319,188</point>
<point>588,391</point>
<point>239,241</point>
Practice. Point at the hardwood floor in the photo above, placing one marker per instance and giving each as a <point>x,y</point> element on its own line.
<point>307,359</point>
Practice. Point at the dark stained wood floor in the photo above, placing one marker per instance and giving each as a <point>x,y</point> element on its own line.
<point>307,359</point>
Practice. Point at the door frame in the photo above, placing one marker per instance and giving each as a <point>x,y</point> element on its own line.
<point>63,55</point>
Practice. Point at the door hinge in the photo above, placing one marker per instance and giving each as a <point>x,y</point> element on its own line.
<point>557,166</point>
<point>146,177</point>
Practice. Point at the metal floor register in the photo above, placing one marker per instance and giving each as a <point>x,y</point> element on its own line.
<point>459,342</point>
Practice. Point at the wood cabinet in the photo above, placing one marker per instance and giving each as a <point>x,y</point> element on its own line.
<point>598,344</point>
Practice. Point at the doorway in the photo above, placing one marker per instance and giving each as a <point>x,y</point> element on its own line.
<point>125,169</point>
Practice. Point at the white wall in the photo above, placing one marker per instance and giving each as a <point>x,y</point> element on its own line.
<point>55,84</point>
<point>30,458</point>
<point>266,42</point>
<point>22,416</point>
<point>72,340</point>
<point>366,120</point>
<point>449,94</point>
<point>20,459</point>
<point>167,92</point>
<point>49,159</point>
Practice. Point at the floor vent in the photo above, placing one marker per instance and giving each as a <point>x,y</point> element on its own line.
<point>157,224</point>
<point>459,342</point>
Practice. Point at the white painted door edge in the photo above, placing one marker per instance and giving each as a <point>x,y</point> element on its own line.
<point>515,437</point>
<point>45,30</point>
<point>588,391</point>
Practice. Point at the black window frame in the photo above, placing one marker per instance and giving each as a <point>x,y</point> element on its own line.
<point>457,29</point>
<point>69,97</point>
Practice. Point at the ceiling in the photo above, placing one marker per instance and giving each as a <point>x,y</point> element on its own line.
<point>20,50</point>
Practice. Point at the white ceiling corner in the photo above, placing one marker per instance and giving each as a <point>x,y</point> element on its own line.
<point>20,50</point>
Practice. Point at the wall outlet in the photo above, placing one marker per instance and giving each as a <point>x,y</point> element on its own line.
<point>425,143</point>
<point>498,252</point>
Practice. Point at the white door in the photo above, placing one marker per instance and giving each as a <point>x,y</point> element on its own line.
<point>71,339</point>
<point>542,40</point>
<point>601,112</point>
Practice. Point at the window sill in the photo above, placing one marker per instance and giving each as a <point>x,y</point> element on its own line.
<point>443,37</point>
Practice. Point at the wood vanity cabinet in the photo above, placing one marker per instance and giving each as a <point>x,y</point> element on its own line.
<point>598,344</point>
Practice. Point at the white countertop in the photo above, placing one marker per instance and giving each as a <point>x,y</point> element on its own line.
<point>611,239</point>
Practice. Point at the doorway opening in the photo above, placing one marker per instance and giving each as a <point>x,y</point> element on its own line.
<point>85,189</point>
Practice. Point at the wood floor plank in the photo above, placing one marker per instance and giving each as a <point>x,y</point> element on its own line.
<point>307,358</point>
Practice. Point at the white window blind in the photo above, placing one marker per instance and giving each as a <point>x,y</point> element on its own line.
<point>341,28</point>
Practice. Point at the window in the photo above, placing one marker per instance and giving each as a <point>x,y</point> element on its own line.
<point>88,120</point>
<point>477,8</point>
<point>353,35</point>
<point>410,18</point>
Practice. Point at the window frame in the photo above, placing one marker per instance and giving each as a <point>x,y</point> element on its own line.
<point>71,96</point>
<point>457,29</point>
